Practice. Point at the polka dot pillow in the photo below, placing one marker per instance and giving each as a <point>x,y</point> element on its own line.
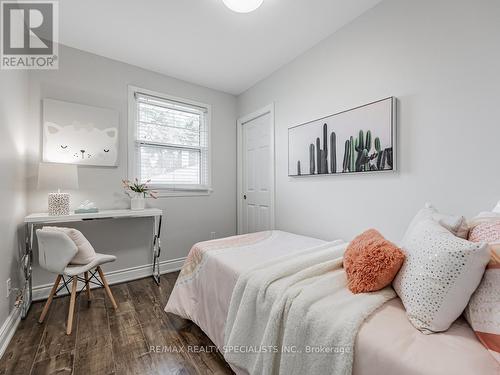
<point>438,276</point>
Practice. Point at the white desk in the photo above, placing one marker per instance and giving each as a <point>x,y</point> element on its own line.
<point>41,219</point>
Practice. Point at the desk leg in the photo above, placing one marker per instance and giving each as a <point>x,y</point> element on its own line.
<point>156,248</point>
<point>27,261</point>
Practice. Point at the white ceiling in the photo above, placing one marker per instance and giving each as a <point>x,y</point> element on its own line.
<point>201,41</point>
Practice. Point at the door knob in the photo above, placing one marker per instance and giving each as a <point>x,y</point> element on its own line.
<point>244,196</point>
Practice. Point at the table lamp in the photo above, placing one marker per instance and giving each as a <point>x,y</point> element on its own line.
<point>58,176</point>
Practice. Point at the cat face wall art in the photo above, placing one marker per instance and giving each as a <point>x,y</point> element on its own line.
<point>80,145</point>
<point>79,134</point>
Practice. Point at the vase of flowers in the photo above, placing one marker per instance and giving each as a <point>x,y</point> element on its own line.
<point>138,192</point>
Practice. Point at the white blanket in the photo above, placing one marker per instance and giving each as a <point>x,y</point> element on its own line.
<point>294,315</point>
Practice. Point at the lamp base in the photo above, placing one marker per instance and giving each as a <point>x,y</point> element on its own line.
<point>58,204</point>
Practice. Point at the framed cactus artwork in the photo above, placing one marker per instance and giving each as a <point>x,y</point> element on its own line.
<point>358,140</point>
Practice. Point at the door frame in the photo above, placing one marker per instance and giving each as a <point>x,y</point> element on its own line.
<point>239,132</point>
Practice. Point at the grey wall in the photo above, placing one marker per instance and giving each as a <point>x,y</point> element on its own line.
<point>93,80</point>
<point>440,58</point>
<point>13,110</point>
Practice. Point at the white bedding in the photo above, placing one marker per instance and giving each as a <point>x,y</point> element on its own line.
<point>203,293</point>
<point>387,343</point>
<point>299,306</point>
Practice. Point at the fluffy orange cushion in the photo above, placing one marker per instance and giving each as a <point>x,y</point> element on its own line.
<point>371,262</point>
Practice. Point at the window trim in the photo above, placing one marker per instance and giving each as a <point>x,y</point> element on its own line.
<point>166,190</point>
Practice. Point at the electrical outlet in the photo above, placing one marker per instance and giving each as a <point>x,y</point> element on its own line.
<point>9,287</point>
<point>212,235</point>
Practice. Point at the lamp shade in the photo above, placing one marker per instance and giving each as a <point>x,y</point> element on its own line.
<point>57,176</point>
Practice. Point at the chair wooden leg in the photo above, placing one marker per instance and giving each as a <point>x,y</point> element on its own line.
<point>49,300</point>
<point>106,286</point>
<point>87,286</point>
<point>71,312</point>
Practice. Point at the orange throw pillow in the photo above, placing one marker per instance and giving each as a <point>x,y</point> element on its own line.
<point>371,262</point>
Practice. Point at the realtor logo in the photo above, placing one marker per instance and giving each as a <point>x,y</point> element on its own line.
<point>29,35</point>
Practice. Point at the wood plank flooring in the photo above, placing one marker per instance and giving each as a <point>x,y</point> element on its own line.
<point>105,341</point>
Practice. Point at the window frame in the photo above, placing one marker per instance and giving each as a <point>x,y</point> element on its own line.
<point>166,190</point>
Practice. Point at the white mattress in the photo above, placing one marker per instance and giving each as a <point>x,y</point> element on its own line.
<point>203,295</point>
<point>387,343</point>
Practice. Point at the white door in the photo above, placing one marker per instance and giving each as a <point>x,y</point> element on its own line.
<point>256,175</point>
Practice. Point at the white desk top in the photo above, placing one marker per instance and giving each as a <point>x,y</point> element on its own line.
<point>104,214</point>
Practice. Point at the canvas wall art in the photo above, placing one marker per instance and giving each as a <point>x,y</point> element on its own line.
<point>79,134</point>
<point>358,140</point>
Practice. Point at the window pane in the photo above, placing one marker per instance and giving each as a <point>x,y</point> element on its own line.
<point>165,125</point>
<point>169,165</point>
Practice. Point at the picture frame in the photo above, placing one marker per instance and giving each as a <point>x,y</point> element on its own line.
<point>357,140</point>
<point>79,134</point>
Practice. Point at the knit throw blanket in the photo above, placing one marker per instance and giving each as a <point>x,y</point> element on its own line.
<point>294,315</point>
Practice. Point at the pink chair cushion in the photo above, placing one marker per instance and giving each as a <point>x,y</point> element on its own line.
<point>86,252</point>
<point>371,262</point>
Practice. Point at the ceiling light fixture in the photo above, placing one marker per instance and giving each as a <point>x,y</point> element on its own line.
<point>243,6</point>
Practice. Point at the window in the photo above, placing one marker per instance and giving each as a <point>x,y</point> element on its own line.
<point>169,142</point>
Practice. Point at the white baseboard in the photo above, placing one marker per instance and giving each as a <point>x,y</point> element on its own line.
<point>41,292</point>
<point>8,329</point>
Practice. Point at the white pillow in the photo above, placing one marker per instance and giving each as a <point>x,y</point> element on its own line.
<point>455,224</point>
<point>497,208</point>
<point>438,276</point>
<point>86,252</point>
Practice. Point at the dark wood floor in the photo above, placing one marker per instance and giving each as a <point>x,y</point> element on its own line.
<point>105,341</point>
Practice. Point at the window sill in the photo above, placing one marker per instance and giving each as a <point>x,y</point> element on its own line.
<point>165,193</point>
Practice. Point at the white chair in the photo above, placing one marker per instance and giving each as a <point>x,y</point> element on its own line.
<point>55,252</point>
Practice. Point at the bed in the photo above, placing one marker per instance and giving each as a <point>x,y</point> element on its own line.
<point>203,293</point>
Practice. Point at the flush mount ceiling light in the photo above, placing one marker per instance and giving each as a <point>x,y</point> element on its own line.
<point>243,6</point>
